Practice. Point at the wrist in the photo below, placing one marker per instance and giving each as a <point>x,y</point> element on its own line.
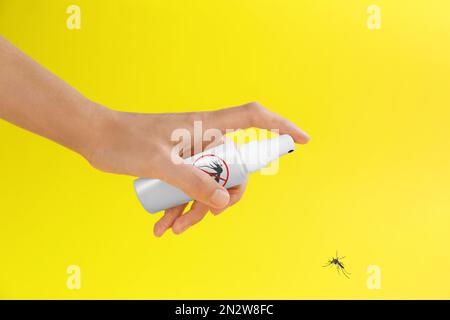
<point>100,121</point>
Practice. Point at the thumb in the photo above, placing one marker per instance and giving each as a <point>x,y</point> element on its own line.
<point>197,184</point>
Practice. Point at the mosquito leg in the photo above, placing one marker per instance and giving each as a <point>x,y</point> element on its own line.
<point>345,273</point>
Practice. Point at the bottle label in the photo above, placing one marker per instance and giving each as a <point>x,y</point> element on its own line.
<point>214,166</point>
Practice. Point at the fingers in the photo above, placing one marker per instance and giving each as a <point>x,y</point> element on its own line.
<point>199,210</point>
<point>196,183</point>
<point>174,217</point>
<point>170,215</point>
<point>193,216</point>
<point>236,194</point>
<point>254,115</point>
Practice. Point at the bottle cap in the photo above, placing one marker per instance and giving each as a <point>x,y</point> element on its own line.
<point>258,154</point>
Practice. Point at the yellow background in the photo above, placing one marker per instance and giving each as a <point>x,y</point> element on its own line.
<point>373,183</point>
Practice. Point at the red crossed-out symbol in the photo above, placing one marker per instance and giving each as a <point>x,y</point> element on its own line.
<point>214,166</point>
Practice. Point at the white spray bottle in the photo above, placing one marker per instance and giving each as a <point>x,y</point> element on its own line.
<point>227,164</point>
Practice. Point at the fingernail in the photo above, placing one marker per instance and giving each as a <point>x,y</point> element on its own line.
<point>307,136</point>
<point>179,229</point>
<point>157,232</point>
<point>220,198</point>
<point>216,212</point>
<point>303,138</point>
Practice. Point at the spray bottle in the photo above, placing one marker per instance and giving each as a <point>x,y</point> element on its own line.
<point>228,164</point>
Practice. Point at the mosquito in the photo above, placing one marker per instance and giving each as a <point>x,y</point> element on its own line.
<point>339,265</point>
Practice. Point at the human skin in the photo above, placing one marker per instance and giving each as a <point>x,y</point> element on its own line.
<point>135,144</point>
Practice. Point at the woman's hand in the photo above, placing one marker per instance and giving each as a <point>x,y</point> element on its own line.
<point>141,145</point>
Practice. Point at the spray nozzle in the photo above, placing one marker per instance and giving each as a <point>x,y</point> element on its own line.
<point>257,154</point>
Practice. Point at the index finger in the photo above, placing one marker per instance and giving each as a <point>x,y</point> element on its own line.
<point>254,115</point>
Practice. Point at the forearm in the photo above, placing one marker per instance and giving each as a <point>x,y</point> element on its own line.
<point>33,98</point>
